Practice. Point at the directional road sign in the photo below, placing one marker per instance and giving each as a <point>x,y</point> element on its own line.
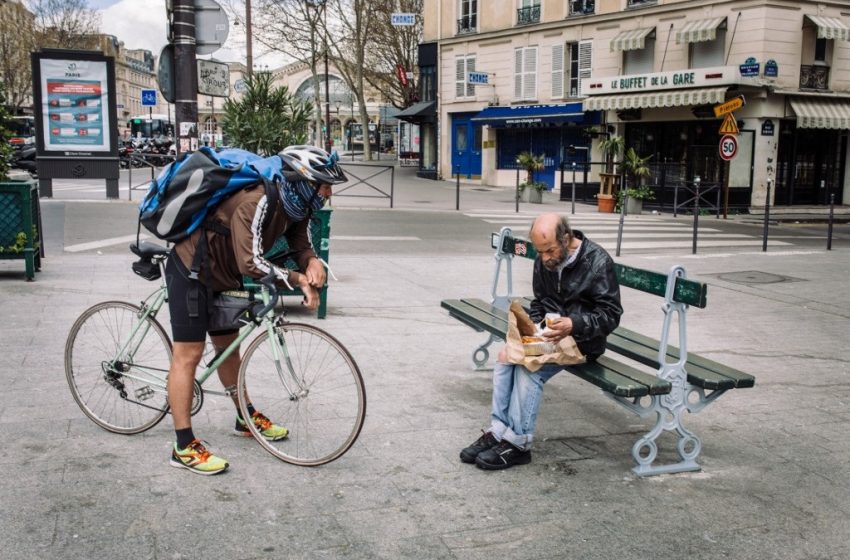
<point>729,106</point>
<point>728,147</point>
<point>729,126</point>
<point>148,98</point>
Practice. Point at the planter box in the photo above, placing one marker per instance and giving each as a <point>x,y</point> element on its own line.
<point>20,212</point>
<point>634,206</point>
<point>531,195</point>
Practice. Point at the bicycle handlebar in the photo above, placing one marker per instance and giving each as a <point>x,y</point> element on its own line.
<point>268,282</point>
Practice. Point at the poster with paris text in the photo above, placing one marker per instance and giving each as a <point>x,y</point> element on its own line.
<point>75,107</point>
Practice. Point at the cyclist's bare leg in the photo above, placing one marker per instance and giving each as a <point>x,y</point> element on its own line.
<point>228,371</point>
<point>185,358</point>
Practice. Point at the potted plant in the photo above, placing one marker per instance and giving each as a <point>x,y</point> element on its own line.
<point>612,147</point>
<point>533,191</point>
<point>634,197</point>
<point>637,170</point>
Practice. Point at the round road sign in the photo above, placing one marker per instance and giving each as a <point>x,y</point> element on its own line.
<point>728,147</point>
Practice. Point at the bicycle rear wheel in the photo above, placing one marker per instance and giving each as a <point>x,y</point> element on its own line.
<point>123,392</point>
<point>315,390</point>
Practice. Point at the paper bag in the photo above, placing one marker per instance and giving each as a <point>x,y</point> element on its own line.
<point>519,325</point>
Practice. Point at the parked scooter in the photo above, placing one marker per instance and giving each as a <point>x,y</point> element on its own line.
<point>24,158</point>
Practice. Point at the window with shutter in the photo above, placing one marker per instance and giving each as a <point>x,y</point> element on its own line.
<point>529,86</point>
<point>470,67</point>
<point>585,63</point>
<point>460,76</point>
<point>517,73</point>
<point>557,71</point>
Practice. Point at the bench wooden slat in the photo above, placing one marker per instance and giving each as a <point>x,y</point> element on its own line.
<point>702,372</point>
<point>474,317</point>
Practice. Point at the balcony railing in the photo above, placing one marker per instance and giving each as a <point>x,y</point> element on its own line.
<point>635,3</point>
<point>814,77</point>
<point>531,14</point>
<point>467,24</point>
<point>582,7</point>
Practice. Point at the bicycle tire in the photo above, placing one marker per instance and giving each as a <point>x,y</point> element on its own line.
<point>325,422</point>
<point>94,339</point>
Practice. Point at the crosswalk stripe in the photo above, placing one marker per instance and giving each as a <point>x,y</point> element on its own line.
<point>626,245</point>
<point>102,243</point>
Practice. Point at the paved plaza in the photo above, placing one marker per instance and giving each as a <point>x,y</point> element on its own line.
<point>775,482</point>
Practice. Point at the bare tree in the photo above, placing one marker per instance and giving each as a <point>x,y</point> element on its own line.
<point>394,49</point>
<point>66,24</point>
<point>17,40</point>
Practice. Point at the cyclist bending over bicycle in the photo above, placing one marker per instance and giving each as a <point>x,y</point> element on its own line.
<point>310,173</point>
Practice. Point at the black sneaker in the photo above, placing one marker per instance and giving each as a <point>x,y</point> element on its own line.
<point>502,456</point>
<point>485,442</point>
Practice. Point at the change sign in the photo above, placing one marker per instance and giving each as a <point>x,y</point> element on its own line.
<point>213,78</point>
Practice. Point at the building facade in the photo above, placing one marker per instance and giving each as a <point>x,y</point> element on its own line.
<point>556,77</point>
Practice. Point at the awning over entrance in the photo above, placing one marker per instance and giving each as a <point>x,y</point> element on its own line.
<point>418,112</point>
<point>700,30</point>
<point>532,115</point>
<point>631,40</point>
<point>821,113</point>
<point>830,27</point>
<point>668,98</point>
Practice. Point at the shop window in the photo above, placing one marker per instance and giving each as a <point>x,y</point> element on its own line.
<point>525,74</point>
<point>468,21</point>
<point>706,54</point>
<point>464,65</point>
<point>428,83</point>
<point>640,61</point>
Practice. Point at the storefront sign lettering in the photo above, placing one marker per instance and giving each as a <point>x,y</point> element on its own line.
<point>767,128</point>
<point>703,77</point>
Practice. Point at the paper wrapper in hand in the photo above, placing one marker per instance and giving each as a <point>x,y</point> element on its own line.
<point>519,325</point>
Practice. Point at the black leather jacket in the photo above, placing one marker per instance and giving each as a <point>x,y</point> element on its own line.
<point>587,292</point>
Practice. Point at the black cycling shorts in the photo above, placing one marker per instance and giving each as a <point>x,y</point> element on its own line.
<point>180,286</point>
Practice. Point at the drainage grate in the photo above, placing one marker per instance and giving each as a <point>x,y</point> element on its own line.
<point>755,277</point>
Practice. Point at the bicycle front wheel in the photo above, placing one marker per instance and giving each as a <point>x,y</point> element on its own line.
<point>313,388</point>
<point>117,376</point>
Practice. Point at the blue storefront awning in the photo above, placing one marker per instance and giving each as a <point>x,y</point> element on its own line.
<point>536,115</point>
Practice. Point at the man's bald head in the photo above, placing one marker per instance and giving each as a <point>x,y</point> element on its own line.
<point>551,236</point>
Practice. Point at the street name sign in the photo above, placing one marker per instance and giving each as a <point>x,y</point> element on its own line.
<point>730,106</point>
<point>213,78</point>
<point>728,147</point>
<point>478,78</point>
<point>148,98</point>
<point>403,19</point>
<point>729,126</point>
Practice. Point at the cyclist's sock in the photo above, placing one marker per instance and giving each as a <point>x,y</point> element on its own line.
<point>184,437</point>
<point>250,411</point>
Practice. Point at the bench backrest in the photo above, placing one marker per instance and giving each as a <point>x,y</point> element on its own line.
<point>649,281</point>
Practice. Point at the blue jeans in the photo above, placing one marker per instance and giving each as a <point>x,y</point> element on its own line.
<point>516,400</point>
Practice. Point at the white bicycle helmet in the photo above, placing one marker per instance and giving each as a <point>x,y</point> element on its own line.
<point>313,164</point>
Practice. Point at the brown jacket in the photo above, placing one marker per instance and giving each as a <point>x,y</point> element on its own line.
<point>241,253</point>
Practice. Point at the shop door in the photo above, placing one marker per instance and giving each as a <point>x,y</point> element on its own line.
<point>466,146</point>
<point>811,164</point>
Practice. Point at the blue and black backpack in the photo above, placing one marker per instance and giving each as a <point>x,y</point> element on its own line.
<point>181,199</point>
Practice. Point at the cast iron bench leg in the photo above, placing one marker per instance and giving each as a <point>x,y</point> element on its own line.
<point>480,355</point>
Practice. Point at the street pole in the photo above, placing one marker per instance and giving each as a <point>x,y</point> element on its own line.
<point>327,85</point>
<point>697,181</point>
<point>249,52</point>
<point>574,190</point>
<point>766,217</point>
<point>186,75</point>
<point>831,218</point>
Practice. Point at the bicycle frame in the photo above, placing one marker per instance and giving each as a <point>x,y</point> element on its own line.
<point>150,309</point>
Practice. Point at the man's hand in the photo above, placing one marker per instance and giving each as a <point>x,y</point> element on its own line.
<point>316,274</point>
<point>311,294</point>
<point>558,329</point>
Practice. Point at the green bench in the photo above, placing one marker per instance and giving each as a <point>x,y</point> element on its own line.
<point>668,380</point>
<point>320,234</point>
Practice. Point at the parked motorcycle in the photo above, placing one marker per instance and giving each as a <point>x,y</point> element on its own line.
<point>24,158</point>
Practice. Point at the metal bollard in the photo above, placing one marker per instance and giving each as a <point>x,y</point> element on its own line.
<point>457,188</point>
<point>766,216</point>
<point>675,200</point>
<point>696,212</point>
<point>622,220</point>
<point>516,197</point>
<point>574,190</point>
<point>831,217</point>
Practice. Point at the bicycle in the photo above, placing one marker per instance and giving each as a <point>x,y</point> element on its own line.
<point>117,358</point>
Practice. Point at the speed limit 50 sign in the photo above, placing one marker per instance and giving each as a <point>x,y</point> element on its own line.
<point>728,147</point>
